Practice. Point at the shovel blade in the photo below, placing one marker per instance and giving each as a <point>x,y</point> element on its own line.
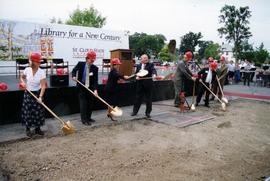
<point>192,107</point>
<point>117,112</point>
<point>223,106</point>
<point>225,100</point>
<point>68,128</point>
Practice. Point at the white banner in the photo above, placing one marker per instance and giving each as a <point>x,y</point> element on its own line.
<point>71,43</point>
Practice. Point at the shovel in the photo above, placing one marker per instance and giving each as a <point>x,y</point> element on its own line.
<point>67,127</point>
<point>223,105</point>
<point>224,99</point>
<point>141,73</point>
<point>116,111</point>
<point>193,98</point>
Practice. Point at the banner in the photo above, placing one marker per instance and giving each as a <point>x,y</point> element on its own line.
<point>71,43</point>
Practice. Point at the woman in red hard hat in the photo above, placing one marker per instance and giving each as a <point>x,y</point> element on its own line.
<point>111,87</point>
<point>34,79</point>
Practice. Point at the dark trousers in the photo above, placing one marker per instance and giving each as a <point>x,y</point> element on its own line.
<point>86,104</point>
<point>202,89</point>
<point>247,78</point>
<point>144,88</point>
<point>112,98</point>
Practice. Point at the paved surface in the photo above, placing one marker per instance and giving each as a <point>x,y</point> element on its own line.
<point>163,112</point>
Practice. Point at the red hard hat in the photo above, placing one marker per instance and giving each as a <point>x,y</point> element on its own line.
<point>188,55</point>
<point>3,86</point>
<point>36,57</point>
<point>91,55</point>
<point>116,61</point>
<point>60,71</point>
<point>213,66</point>
<point>210,59</point>
<point>222,58</point>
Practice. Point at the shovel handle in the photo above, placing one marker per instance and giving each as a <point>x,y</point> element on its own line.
<point>220,88</point>
<point>94,94</point>
<point>193,94</point>
<point>48,109</point>
<point>210,91</point>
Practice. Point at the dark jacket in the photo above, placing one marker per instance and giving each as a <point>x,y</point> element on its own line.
<point>112,83</point>
<point>149,67</point>
<point>203,72</point>
<point>92,79</point>
<point>182,73</point>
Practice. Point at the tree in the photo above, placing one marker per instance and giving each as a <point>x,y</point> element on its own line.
<point>142,43</point>
<point>54,20</point>
<point>88,17</point>
<point>261,54</point>
<point>203,45</point>
<point>247,52</point>
<point>235,27</point>
<point>165,54</point>
<point>212,50</point>
<point>189,41</point>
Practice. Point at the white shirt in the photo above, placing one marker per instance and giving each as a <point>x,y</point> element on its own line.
<point>209,76</point>
<point>33,82</point>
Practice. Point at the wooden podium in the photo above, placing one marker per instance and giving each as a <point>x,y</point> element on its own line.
<point>125,56</point>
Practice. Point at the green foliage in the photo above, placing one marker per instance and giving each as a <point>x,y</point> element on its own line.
<point>88,17</point>
<point>212,50</point>
<point>261,54</point>
<point>189,41</point>
<point>142,43</point>
<point>203,45</point>
<point>54,20</point>
<point>235,28</point>
<point>247,52</point>
<point>165,55</point>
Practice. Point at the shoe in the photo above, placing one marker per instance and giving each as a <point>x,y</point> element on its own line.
<point>176,105</point>
<point>91,120</point>
<point>212,98</point>
<point>110,116</point>
<point>148,115</point>
<point>133,114</point>
<point>39,132</point>
<point>87,123</point>
<point>196,104</point>
<point>207,105</point>
<point>28,132</point>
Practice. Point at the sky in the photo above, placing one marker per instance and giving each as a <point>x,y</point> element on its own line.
<point>172,18</point>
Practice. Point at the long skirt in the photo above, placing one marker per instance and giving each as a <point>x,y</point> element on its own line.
<point>33,114</point>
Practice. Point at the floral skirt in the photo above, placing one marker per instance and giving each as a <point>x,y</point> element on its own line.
<point>33,113</point>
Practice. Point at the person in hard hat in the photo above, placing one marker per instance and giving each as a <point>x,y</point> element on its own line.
<point>88,75</point>
<point>111,87</point>
<point>181,76</point>
<point>222,72</point>
<point>208,75</point>
<point>34,79</point>
<point>144,86</point>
